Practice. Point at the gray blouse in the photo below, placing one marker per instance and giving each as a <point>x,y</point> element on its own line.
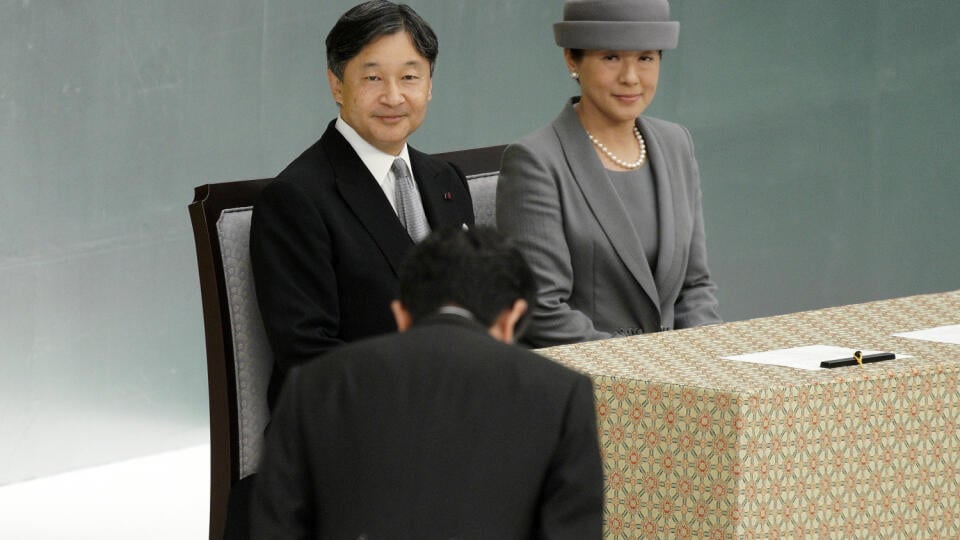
<point>638,192</point>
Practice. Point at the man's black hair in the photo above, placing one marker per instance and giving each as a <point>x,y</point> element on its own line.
<point>476,269</point>
<point>370,20</point>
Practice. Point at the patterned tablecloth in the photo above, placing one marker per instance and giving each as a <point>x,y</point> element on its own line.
<point>695,446</point>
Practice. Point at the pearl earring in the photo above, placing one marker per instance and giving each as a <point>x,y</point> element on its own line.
<point>574,75</point>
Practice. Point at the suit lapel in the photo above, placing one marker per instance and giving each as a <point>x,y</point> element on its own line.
<point>365,197</point>
<point>436,190</point>
<point>607,207</point>
<point>668,276</point>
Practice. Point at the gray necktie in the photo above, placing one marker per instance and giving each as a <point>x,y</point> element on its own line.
<point>409,205</point>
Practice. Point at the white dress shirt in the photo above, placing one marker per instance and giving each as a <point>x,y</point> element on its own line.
<point>377,161</point>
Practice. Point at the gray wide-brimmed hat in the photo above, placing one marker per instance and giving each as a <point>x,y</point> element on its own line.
<point>622,25</point>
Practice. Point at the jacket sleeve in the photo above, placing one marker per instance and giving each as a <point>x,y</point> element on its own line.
<point>572,501</point>
<point>295,280</point>
<point>529,212</point>
<point>696,305</point>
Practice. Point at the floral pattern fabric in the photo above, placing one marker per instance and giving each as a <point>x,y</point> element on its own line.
<point>695,446</point>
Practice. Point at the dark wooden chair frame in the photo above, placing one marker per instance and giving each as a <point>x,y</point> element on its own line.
<point>210,200</point>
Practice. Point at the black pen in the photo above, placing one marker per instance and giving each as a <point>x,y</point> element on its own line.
<point>852,361</point>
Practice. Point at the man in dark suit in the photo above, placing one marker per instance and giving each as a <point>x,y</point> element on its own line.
<point>329,234</point>
<point>442,431</point>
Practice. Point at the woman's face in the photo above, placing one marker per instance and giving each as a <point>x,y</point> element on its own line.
<point>615,86</point>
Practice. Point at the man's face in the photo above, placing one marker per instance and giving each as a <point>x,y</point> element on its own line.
<point>384,91</point>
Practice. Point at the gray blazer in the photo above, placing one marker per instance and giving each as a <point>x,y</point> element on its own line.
<point>555,199</point>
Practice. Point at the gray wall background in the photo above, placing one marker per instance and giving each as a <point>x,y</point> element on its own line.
<point>827,137</point>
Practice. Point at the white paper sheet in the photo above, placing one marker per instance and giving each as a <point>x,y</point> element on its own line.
<point>808,357</point>
<point>942,334</point>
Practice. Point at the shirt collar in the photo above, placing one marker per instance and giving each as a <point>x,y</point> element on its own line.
<point>456,310</point>
<point>377,161</point>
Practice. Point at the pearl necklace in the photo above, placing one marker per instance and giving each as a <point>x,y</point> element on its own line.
<point>625,164</point>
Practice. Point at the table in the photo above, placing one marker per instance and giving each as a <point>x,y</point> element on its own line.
<point>695,446</point>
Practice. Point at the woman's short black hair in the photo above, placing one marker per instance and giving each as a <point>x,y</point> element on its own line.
<point>370,20</point>
<point>577,54</point>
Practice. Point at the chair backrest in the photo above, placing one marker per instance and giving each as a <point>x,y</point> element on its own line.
<point>239,360</point>
<point>482,168</point>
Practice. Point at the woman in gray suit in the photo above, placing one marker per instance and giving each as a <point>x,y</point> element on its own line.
<point>605,202</point>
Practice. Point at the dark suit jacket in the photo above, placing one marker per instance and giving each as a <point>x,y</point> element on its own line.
<point>439,432</point>
<point>326,245</point>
